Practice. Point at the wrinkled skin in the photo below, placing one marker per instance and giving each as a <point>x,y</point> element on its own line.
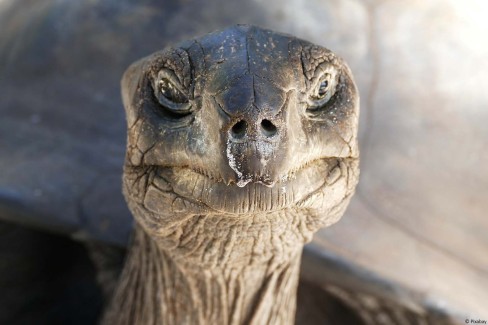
<point>241,144</point>
<point>192,164</point>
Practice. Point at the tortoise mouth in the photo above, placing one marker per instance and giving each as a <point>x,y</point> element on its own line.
<point>299,184</point>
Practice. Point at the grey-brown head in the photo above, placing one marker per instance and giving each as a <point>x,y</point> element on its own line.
<point>240,124</point>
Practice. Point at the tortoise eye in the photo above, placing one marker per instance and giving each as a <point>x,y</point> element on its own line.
<point>322,91</point>
<point>323,87</point>
<point>170,94</point>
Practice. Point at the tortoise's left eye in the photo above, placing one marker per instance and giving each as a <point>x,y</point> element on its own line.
<point>322,91</point>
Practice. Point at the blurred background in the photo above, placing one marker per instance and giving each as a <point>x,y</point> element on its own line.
<point>419,216</point>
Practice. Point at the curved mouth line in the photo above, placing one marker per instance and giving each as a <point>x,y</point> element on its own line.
<point>258,179</point>
<point>283,189</point>
<point>292,172</point>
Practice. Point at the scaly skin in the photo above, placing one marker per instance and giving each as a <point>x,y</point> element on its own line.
<point>235,157</point>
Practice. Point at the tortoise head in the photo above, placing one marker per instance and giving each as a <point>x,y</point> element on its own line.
<point>238,122</point>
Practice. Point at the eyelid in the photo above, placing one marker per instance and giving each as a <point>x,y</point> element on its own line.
<point>324,69</point>
<point>325,77</point>
<point>172,77</point>
<point>170,106</point>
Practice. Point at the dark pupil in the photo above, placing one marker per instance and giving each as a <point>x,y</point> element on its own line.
<point>171,92</point>
<point>323,88</point>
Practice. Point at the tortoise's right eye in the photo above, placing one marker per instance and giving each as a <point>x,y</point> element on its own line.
<point>170,94</point>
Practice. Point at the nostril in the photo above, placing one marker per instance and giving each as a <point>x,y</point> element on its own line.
<point>238,131</point>
<point>269,129</point>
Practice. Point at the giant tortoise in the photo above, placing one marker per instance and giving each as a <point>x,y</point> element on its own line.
<point>411,247</point>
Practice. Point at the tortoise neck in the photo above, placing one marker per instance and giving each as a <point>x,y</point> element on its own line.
<point>156,289</point>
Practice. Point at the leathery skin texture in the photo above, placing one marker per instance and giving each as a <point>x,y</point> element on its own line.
<point>241,144</point>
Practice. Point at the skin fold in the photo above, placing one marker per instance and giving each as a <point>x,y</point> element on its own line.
<point>241,144</point>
